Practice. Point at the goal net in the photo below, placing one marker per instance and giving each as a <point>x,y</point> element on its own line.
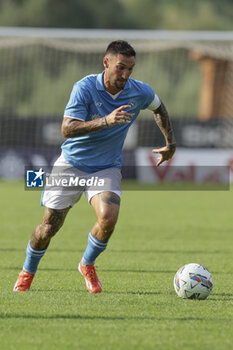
<point>192,72</point>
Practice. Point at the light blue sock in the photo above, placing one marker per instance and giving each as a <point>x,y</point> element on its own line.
<point>94,248</point>
<point>32,259</point>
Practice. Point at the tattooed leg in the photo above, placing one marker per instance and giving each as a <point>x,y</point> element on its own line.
<point>106,206</point>
<point>52,221</point>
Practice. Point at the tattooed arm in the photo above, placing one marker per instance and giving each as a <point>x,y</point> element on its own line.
<point>73,127</point>
<point>162,120</point>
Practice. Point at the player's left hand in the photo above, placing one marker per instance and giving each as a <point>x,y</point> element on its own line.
<point>166,153</point>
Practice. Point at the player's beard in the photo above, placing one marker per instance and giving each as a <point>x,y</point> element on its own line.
<point>120,84</point>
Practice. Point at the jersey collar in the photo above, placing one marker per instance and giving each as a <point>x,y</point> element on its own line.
<point>100,83</point>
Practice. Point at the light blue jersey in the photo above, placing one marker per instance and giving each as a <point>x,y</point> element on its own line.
<point>89,100</point>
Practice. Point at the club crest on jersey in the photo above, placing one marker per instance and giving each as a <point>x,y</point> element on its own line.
<point>132,103</point>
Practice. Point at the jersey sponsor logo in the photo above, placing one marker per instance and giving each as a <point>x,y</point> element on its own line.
<point>98,104</point>
<point>35,178</point>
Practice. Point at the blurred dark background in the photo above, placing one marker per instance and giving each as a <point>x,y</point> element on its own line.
<point>116,14</point>
<point>184,51</point>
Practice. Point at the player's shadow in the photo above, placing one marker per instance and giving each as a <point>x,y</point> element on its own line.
<point>50,250</point>
<point>105,292</point>
<point>11,250</point>
<point>136,293</point>
<point>166,251</point>
<point>221,297</point>
<point>75,269</point>
<point>17,268</point>
<point>99,317</point>
<point>126,251</point>
<point>136,271</point>
<point>224,294</point>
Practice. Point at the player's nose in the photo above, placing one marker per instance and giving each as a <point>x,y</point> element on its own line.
<point>125,75</point>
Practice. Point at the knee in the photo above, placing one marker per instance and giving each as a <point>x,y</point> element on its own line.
<point>107,221</point>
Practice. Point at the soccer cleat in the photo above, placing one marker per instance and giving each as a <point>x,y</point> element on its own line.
<point>23,282</point>
<point>92,281</point>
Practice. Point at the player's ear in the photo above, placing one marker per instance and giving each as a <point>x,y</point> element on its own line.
<point>106,62</point>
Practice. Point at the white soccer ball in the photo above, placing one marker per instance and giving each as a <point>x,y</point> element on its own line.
<point>193,281</point>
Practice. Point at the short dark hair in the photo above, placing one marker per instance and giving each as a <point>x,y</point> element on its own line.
<point>120,47</point>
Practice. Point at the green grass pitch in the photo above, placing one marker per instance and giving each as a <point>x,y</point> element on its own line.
<point>157,232</point>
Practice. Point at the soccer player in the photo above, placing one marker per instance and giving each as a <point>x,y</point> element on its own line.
<point>97,118</point>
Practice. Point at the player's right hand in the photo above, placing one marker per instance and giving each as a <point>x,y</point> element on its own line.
<point>119,116</point>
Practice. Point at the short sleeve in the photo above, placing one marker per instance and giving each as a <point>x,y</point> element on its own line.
<point>149,96</point>
<point>77,105</point>
<point>155,103</point>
